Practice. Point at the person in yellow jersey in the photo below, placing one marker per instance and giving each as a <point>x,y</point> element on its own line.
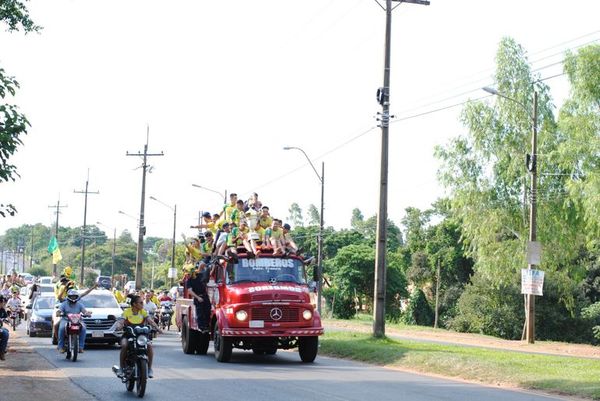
<point>207,223</point>
<point>265,221</point>
<point>135,315</point>
<point>238,214</point>
<point>275,237</point>
<point>228,208</point>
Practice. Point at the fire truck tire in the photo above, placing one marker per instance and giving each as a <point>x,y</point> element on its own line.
<point>223,346</point>
<point>308,348</point>
<point>189,338</point>
<point>202,343</point>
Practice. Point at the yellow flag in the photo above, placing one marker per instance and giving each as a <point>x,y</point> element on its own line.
<point>56,256</point>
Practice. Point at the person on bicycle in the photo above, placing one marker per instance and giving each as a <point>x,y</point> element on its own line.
<point>71,305</point>
<point>4,333</point>
<point>135,315</point>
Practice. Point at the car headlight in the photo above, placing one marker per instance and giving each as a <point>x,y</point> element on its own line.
<point>241,315</point>
<point>307,314</point>
<point>142,341</point>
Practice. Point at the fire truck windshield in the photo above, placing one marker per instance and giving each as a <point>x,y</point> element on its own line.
<point>267,269</point>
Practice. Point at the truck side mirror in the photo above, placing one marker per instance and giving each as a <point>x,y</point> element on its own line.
<point>312,286</point>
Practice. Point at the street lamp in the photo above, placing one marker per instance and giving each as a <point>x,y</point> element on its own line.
<point>174,209</point>
<point>224,194</point>
<point>112,268</point>
<point>532,167</point>
<point>320,239</point>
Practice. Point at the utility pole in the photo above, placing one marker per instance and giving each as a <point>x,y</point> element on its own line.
<point>383,96</point>
<point>57,212</point>
<point>532,166</point>
<point>83,233</point>
<point>142,228</point>
<point>31,256</point>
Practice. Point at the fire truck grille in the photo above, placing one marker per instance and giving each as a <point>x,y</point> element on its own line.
<point>275,314</point>
<point>275,297</point>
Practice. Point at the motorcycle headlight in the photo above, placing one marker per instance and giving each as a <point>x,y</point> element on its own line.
<point>142,341</point>
<point>307,314</point>
<point>241,315</point>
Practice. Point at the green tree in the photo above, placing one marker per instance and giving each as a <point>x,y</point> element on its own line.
<point>314,217</point>
<point>13,124</point>
<point>295,215</point>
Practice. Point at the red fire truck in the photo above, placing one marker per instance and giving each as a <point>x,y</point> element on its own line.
<point>261,304</point>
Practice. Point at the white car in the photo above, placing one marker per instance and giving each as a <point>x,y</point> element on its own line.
<point>100,327</point>
<point>45,280</point>
<point>129,286</point>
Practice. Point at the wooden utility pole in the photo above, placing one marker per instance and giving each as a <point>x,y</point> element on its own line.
<point>57,212</point>
<point>83,232</point>
<point>142,228</point>
<point>383,96</point>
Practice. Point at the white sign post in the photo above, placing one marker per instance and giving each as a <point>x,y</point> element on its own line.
<point>172,272</point>
<point>532,281</point>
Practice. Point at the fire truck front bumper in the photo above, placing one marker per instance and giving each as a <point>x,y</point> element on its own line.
<point>279,332</point>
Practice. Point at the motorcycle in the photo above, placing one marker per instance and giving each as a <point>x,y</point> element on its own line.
<point>166,314</point>
<point>72,333</point>
<point>135,372</point>
<point>14,317</point>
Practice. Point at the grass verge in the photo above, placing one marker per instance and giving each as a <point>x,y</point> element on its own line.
<point>559,374</point>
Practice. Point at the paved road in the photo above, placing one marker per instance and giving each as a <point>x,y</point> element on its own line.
<point>249,377</point>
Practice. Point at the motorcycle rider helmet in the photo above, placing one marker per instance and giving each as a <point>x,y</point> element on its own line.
<point>73,296</point>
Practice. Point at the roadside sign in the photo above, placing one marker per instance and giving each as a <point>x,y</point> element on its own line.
<point>172,272</point>
<point>532,281</point>
<point>534,253</point>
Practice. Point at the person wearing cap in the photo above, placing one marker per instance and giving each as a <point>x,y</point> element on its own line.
<point>208,223</point>
<point>206,248</point>
<point>288,242</point>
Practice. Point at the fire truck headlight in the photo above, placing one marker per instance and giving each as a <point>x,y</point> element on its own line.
<point>307,314</point>
<point>241,315</point>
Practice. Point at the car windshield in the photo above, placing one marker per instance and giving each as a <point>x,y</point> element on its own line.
<point>266,269</point>
<point>44,303</point>
<point>100,301</point>
<point>45,288</point>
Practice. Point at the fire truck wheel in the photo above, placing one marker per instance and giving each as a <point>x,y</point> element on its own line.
<point>189,338</point>
<point>307,348</point>
<point>223,346</point>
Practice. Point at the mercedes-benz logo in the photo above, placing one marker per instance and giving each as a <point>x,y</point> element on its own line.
<point>276,314</point>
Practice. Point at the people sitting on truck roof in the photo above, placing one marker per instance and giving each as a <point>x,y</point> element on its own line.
<point>206,247</point>
<point>221,244</point>
<point>274,237</point>
<point>238,214</point>
<point>289,244</point>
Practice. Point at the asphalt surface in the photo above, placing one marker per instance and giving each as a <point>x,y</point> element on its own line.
<point>246,377</point>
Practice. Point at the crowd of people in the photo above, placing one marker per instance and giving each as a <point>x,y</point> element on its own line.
<point>246,225</point>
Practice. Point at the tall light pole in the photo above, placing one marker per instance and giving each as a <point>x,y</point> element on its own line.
<point>383,97</point>
<point>112,268</point>
<point>174,209</point>
<point>320,239</point>
<point>224,194</point>
<point>532,167</point>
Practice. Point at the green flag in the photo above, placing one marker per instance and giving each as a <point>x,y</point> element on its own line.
<point>53,245</point>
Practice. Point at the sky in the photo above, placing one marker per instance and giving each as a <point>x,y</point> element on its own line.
<point>222,86</point>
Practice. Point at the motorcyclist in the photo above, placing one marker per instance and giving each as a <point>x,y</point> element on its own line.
<point>71,305</point>
<point>164,297</point>
<point>14,303</point>
<point>135,315</point>
<point>4,333</point>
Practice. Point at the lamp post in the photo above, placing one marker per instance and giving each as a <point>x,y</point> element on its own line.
<point>224,194</point>
<point>320,239</point>
<point>174,209</point>
<point>112,268</point>
<point>532,167</point>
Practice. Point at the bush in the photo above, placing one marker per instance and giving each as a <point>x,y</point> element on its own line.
<point>344,306</point>
<point>418,311</point>
<point>492,309</point>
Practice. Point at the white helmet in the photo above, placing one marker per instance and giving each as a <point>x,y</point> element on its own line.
<point>73,296</point>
